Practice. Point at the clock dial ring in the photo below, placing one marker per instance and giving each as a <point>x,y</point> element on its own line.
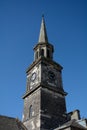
<point>51,75</point>
<point>33,77</point>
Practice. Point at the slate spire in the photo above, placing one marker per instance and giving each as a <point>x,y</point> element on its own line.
<point>43,34</point>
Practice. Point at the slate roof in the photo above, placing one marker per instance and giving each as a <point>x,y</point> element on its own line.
<point>9,123</point>
<point>71,123</point>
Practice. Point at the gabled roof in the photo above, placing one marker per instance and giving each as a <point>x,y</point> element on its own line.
<point>9,123</point>
<point>71,123</point>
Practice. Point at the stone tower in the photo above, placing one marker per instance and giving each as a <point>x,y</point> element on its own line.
<point>44,99</point>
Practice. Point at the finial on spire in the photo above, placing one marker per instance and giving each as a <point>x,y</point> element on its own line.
<point>42,15</point>
<point>43,34</point>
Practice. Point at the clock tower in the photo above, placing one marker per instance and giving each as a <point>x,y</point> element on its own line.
<point>44,99</point>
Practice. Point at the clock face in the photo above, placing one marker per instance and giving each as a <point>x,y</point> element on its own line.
<point>33,77</point>
<point>51,75</point>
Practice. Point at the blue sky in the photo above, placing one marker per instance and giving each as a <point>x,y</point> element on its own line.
<point>66,22</point>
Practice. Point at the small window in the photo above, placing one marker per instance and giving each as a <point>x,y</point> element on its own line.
<point>30,111</point>
<point>48,53</point>
<point>36,55</point>
<point>42,52</point>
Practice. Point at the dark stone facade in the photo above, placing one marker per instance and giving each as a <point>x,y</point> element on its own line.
<point>53,108</point>
<point>47,96</point>
<point>32,122</point>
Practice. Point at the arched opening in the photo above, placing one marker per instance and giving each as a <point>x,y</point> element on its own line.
<point>48,53</point>
<point>30,111</point>
<point>36,55</point>
<point>42,52</point>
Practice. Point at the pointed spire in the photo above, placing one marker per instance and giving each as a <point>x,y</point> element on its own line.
<point>43,35</point>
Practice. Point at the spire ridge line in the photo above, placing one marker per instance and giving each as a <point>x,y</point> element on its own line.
<point>43,33</point>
